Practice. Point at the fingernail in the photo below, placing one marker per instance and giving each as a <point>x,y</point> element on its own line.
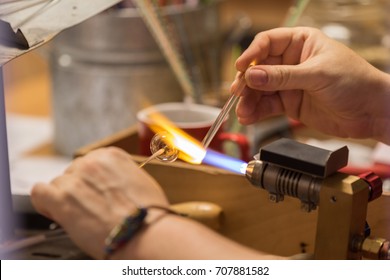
<point>257,77</point>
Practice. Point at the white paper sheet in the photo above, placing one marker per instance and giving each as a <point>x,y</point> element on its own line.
<point>25,133</point>
<point>25,172</point>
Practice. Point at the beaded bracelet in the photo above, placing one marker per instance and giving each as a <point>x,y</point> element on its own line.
<point>125,231</point>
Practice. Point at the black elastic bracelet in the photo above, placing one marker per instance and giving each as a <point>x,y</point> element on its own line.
<point>125,231</point>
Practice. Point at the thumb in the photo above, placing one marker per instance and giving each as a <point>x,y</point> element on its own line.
<point>277,77</point>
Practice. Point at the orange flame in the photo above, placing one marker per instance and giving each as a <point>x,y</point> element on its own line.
<point>190,149</point>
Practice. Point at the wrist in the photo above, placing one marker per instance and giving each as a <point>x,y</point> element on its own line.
<point>147,243</point>
<point>126,233</point>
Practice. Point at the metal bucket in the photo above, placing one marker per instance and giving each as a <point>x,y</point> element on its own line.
<point>105,69</point>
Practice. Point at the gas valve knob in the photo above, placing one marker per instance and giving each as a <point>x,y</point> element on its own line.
<point>374,182</point>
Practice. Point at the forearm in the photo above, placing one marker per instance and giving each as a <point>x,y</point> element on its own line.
<point>174,237</point>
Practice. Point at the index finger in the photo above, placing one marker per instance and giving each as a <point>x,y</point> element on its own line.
<point>285,42</point>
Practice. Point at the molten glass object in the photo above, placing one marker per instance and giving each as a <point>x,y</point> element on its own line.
<point>161,149</point>
<point>160,146</point>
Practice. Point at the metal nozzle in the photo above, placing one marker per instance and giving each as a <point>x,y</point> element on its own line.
<point>253,172</point>
<point>279,181</point>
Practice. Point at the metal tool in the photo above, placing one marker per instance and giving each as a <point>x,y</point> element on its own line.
<point>287,167</point>
<point>33,240</point>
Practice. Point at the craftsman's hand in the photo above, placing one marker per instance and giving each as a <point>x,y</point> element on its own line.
<point>311,78</point>
<point>94,194</point>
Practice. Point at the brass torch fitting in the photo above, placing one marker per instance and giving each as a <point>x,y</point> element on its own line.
<point>375,248</point>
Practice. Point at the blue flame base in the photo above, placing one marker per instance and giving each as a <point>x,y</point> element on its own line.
<point>225,162</point>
